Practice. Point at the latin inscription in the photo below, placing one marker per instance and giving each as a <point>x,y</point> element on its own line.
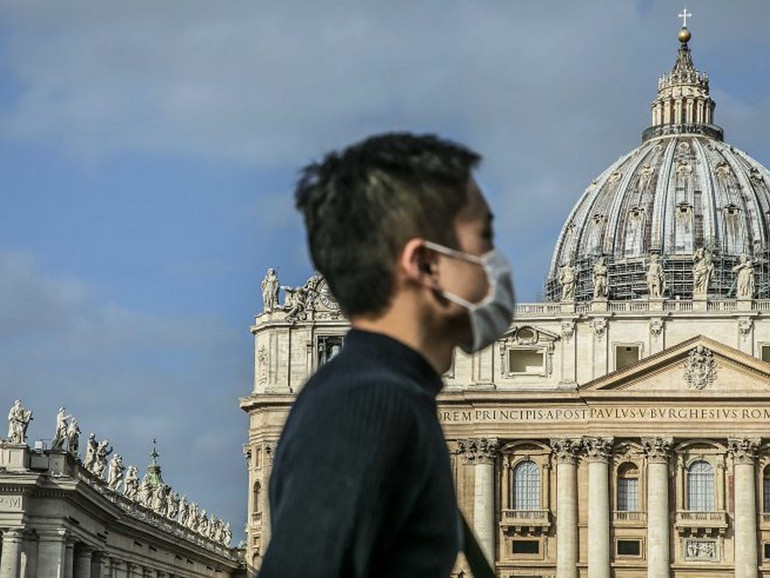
<point>605,413</point>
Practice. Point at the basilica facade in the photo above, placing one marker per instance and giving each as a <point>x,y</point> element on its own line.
<point>620,428</point>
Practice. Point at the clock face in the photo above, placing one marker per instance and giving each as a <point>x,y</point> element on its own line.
<point>326,298</point>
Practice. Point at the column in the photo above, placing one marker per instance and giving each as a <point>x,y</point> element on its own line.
<point>743,452</point>
<point>267,468</point>
<point>598,452</point>
<point>52,553</point>
<point>482,452</point>
<point>565,456</point>
<point>114,567</point>
<point>11,553</point>
<point>82,564</point>
<point>69,559</point>
<point>658,561</point>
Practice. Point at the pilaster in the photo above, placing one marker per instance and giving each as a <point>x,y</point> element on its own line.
<point>11,552</point>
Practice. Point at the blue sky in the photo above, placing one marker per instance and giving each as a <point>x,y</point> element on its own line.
<point>149,151</point>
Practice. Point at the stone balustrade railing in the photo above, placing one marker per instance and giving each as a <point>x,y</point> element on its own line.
<point>524,310</point>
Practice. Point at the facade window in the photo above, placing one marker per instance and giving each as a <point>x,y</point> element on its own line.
<point>328,348</point>
<point>700,487</point>
<point>766,353</point>
<point>526,486</point>
<point>525,547</point>
<point>766,550</point>
<point>766,491</point>
<point>626,355</point>
<point>628,489</point>
<point>257,497</point>
<point>629,548</point>
<point>526,361</point>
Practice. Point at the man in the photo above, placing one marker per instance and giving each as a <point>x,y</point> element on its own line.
<point>361,483</point>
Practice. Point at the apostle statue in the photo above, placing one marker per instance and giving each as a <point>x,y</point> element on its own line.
<point>61,429</point>
<point>203,523</point>
<point>702,269</point>
<point>159,499</point>
<point>131,483</point>
<point>115,474</point>
<point>73,437</point>
<point>745,277</point>
<point>568,280</point>
<point>192,517</point>
<point>656,279</point>
<point>270,288</point>
<point>601,289</point>
<point>172,505</point>
<point>91,448</point>
<point>18,422</point>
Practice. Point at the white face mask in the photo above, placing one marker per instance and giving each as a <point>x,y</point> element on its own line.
<point>491,317</point>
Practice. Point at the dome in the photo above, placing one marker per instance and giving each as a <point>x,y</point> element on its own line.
<point>681,196</point>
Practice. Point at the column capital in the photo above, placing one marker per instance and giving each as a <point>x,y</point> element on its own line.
<point>52,534</point>
<point>743,450</point>
<point>478,450</point>
<point>598,449</point>
<point>565,449</point>
<point>14,534</point>
<point>657,449</point>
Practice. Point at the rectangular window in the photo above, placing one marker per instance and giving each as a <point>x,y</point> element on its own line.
<point>625,355</point>
<point>525,547</point>
<point>766,548</point>
<point>628,494</point>
<point>766,353</point>
<point>328,347</point>
<point>629,547</point>
<point>526,361</point>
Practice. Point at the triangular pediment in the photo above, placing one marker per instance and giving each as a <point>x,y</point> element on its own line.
<point>697,367</point>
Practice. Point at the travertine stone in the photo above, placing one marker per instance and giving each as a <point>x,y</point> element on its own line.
<point>565,454</point>
<point>598,451</point>
<point>658,451</point>
<point>83,561</point>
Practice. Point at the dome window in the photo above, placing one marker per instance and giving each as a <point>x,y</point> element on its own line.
<point>598,218</point>
<point>731,210</point>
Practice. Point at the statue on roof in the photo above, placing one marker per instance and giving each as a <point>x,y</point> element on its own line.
<point>601,289</point>
<point>172,505</point>
<point>227,535</point>
<point>103,450</point>
<point>18,422</point>
<point>270,288</point>
<point>91,448</point>
<point>192,517</point>
<point>702,270</point>
<point>115,474</point>
<point>73,437</point>
<point>145,493</point>
<point>183,511</point>
<point>203,523</point>
<point>568,281</point>
<point>159,499</point>
<point>131,483</point>
<point>61,429</point>
<point>656,279</point>
<point>745,277</point>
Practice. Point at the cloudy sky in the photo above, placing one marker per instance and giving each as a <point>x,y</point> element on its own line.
<point>149,149</point>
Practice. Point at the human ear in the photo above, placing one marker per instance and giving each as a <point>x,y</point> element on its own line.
<point>419,264</point>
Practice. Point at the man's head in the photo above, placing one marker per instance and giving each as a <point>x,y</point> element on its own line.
<point>364,204</point>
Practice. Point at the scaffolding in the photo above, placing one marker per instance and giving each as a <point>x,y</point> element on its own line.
<point>627,278</point>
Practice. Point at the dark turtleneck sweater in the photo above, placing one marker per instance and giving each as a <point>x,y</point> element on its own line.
<point>361,483</point>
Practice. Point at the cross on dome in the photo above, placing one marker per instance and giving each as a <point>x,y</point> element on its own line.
<point>684,15</point>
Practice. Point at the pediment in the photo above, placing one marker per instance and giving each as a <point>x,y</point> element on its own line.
<point>697,367</point>
<point>528,335</point>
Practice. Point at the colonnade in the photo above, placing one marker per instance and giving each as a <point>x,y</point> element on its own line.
<point>597,451</point>
<point>60,556</point>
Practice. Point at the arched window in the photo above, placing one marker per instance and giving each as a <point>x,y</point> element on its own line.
<point>257,498</point>
<point>700,487</point>
<point>628,488</point>
<point>766,491</point>
<point>526,486</point>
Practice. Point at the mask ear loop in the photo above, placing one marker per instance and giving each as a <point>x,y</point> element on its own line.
<point>454,253</point>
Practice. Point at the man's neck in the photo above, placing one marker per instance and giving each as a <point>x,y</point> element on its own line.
<point>410,329</point>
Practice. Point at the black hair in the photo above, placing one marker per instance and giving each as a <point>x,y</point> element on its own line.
<point>362,204</point>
